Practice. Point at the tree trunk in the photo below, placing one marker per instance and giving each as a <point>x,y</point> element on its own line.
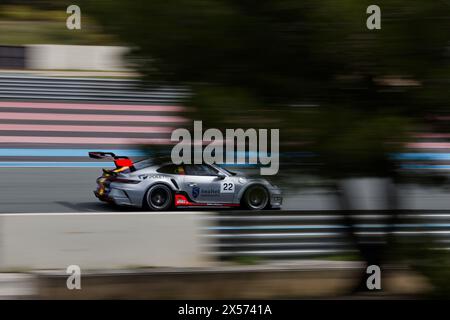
<point>361,194</point>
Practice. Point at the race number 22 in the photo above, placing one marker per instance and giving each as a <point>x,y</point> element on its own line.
<point>227,187</point>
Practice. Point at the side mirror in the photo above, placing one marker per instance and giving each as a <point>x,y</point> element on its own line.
<point>221,176</point>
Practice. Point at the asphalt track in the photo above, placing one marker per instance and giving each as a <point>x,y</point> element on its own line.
<point>70,190</point>
<point>50,190</point>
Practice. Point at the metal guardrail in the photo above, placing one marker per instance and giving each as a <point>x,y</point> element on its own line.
<point>294,234</point>
<point>23,88</point>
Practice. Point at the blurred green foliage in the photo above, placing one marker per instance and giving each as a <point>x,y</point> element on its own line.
<point>431,259</point>
<point>41,22</point>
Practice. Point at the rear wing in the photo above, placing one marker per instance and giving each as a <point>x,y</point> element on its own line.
<point>119,161</point>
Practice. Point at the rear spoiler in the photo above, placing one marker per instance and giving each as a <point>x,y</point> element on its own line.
<point>119,161</point>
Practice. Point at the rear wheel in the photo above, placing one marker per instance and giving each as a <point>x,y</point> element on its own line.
<point>159,197</point>
<point>255,198</point>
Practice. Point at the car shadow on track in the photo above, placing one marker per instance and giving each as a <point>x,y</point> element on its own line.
<point>92,207</point>
<point>106,207</point>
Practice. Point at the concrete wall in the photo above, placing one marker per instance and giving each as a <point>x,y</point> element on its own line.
<point>69,57</point>
<point>100,240</point>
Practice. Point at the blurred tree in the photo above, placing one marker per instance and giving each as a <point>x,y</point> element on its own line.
<point>36,3</point>
<point>311,68</point>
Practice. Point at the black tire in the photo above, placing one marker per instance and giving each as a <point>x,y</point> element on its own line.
<point>159,198</point>
<point>255,198</point>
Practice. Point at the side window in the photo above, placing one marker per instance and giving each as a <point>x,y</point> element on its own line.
<point>200,170</point>
<point>171,169</point>
<point>210,170</point>
<point>190,169</point>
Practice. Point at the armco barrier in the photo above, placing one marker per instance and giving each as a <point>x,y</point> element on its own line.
<point>20,87</point>
<point>300,234</point>
<point>101,240</point>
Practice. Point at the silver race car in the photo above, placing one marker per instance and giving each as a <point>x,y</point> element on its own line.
<point>158,184</point>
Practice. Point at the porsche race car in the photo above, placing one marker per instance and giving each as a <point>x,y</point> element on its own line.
<point>158,184</point>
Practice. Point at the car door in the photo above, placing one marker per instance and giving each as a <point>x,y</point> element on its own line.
<point>202,184</point>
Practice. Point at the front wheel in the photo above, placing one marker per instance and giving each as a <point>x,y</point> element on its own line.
<point>159,198</point>
<point>255,198</point>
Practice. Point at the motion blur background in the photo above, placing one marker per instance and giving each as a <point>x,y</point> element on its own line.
<point>363,117</point>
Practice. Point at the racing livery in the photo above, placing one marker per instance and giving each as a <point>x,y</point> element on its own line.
<point>158,184</point>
